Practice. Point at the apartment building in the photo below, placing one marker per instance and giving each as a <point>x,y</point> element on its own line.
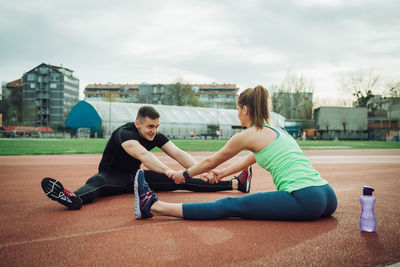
<point>216,95</point>
<point>112,92</point>
<point>210,95</point>
<point>54,90</point>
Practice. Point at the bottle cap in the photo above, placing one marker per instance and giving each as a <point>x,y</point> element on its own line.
<point>367,190</point>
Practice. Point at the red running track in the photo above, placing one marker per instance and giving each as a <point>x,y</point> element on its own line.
<point>36,231</point>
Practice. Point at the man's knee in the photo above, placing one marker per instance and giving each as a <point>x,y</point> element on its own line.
<point>96,180</point>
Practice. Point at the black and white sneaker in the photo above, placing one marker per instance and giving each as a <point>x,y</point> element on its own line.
<point>56,191</point>
<point>244,180</point>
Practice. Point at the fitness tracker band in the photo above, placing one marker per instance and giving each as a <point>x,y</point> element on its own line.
<point>186,174</point>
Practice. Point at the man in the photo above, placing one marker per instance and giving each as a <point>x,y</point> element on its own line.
<point>128,147</point>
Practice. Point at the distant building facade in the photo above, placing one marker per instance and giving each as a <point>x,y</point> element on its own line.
<point>385,125</point>
<point>54,91</point>
<point>341,123</point>
<point>7,88</point>
<point>153,93</point>
<point>216,95</point>
<point>210,95</point>
<point>114,92</point>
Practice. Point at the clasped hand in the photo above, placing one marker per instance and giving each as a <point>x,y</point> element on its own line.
<point>210,177</point>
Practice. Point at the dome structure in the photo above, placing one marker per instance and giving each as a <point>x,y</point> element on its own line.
<point>175,121</point>
<point>83,115</point>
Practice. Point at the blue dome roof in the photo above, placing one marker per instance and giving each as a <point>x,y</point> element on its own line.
<point>83,115</point>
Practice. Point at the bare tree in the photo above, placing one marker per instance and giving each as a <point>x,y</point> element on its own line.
<point>393,89</point>
<point>364,84</point>
<point>293,97</point>
<point>361,82</point>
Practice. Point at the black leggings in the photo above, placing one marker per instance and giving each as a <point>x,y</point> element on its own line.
<point>114,183</point>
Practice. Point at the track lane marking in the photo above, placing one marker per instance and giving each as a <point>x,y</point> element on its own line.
<point>27,242</point>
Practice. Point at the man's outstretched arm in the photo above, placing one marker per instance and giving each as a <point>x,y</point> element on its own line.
<point>136,150</point>
<point>182,157</point>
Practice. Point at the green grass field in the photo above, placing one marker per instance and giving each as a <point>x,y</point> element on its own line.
<point>94,146</point>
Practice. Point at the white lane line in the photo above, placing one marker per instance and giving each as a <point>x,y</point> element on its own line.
<point>20,243</point>
<point>358,159</point>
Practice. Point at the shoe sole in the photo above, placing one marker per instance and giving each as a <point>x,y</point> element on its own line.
<point>55,191</point>
<point>138,214</point>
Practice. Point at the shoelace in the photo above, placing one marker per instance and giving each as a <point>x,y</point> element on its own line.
<point>145,198</point>
<point>68,193</point>
<point>243,175</point>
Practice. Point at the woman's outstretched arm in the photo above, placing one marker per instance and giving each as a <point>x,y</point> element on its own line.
<point>235,167</point>
<point>236,144</point>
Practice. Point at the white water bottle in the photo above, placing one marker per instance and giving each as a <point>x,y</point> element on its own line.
<point>367,218</point>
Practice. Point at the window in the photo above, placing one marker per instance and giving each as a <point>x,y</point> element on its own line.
<point>53,85</point>
<point>195,89</point>
<point>33,85</point>
<point>31,77</point>
<point>43,70</point>
<point>54,78</point>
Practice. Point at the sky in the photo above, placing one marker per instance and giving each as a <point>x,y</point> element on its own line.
<point>246,43</point>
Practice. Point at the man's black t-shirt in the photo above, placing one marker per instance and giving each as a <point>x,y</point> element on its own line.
<point>114,156</point>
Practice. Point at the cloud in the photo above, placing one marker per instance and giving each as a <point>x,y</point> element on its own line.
<point>243,42</point>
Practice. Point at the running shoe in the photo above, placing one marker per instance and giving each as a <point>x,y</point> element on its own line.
<point>244,180</point>
<point>56,191</point>
<point>144,196</point>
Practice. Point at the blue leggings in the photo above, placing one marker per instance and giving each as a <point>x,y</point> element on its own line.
<point>306,204</point>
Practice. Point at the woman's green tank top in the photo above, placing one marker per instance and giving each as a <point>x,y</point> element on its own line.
<point>288,165</point>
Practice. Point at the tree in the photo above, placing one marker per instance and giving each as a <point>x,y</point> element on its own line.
<point>29,113</point>
<point>12,107</point>
<point>109,97</point>
<point>4,106</point>
<point>393,89</point>
<point>393,92</point>
<point>362,84</point>
<point>180,94</point>
<point>194,101</point>
<point>293,97</point>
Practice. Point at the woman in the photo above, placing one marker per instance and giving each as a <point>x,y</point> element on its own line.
<point>301,192</point>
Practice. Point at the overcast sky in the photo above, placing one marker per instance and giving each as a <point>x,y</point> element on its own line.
<point>242,42</point>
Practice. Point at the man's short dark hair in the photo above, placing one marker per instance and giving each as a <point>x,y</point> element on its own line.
<point>147,111</point>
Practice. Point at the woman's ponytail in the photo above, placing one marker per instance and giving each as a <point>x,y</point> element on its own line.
<point>257,102</point>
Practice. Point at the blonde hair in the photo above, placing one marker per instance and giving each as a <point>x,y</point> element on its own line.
<point>256,101</point>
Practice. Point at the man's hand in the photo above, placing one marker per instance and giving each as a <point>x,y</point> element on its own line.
<point>177,176</point>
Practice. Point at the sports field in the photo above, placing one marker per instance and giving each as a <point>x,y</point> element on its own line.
<point>36,231</point>
<point>93,146</point>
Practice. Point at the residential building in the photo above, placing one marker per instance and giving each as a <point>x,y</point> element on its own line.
<point>7,88</point>
<point>153,93</point>
<point>216,95</point>
<point>112,92</point>
<point>210,95</point>
<point>54,90</point>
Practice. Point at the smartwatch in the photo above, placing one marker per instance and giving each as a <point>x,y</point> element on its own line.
<point>186,174</point>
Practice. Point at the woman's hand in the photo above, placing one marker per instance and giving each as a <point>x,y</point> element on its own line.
<point>209,177</point>
<point>218,174</point>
